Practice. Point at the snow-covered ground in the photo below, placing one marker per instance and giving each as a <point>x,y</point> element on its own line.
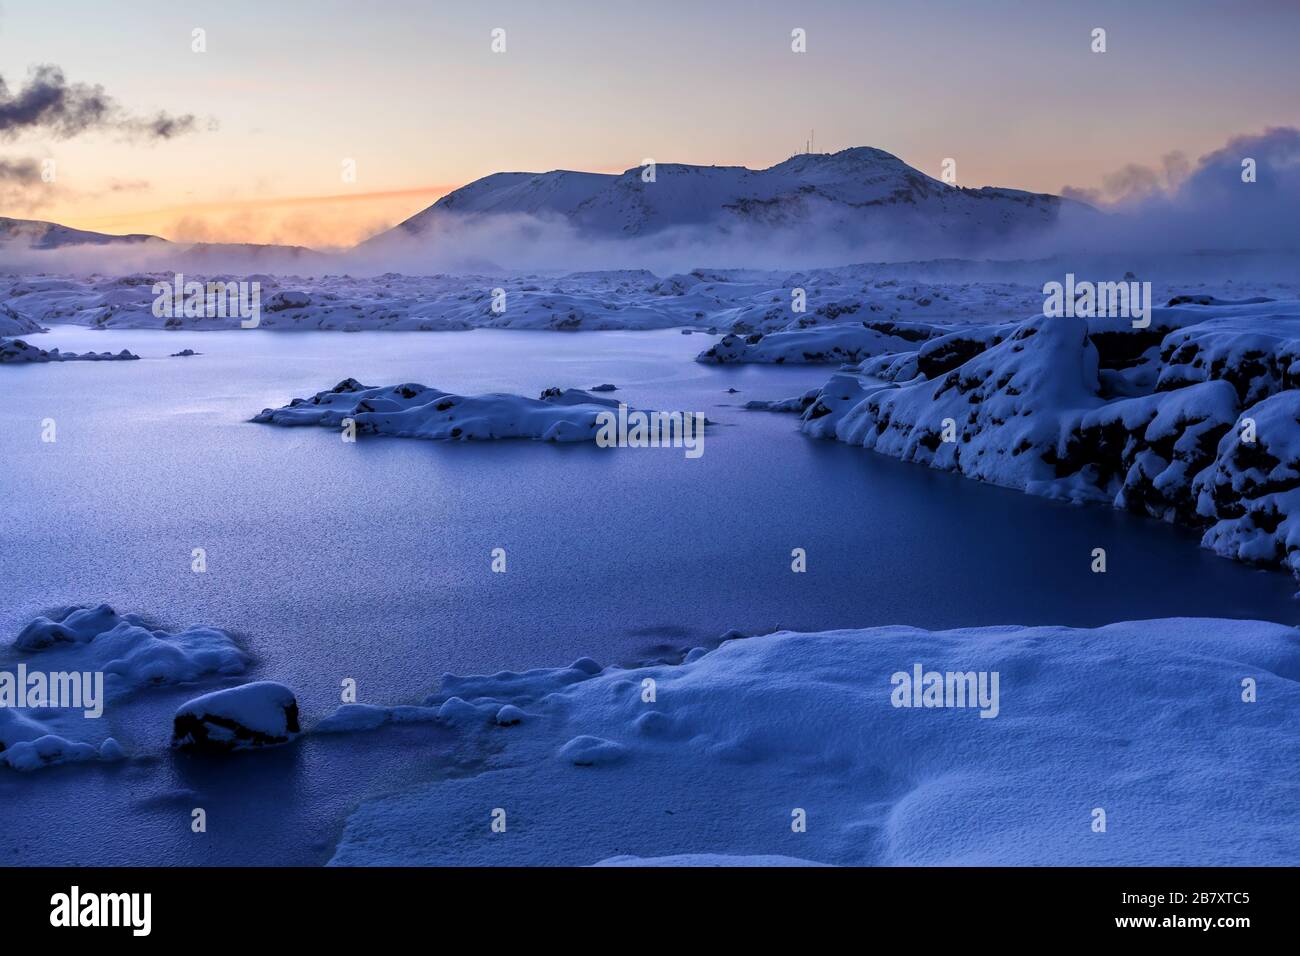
<point>915,298</point>
<point>1136,743</point>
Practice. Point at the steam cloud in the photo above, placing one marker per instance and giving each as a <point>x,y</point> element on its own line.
<point>1208,207</point>
<point>48,103</point>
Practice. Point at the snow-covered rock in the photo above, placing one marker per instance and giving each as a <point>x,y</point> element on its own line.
<point>14,351</point>
<point>14,323</point>
<point>261,714</point>
<point>1250,494</point>
<point>740,742</point>
<point>417,411</point>
<point>1194,419</point>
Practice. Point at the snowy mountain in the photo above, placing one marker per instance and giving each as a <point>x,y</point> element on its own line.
<point>50,235</point>
<point>146,251</point>
<point>856,192</point>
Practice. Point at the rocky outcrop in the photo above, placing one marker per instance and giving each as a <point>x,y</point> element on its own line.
<point>1194,419</point>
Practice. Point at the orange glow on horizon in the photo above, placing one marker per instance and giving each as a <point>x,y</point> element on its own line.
<point>323,221</point>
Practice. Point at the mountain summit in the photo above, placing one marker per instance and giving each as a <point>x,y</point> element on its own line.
<point>862,193</point>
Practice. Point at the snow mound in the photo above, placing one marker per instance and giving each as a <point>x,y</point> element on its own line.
<point>129,652</point>
<point>589,751</point>
<point>417,411</point>
<point>261,714</point>
<point>28,742</point>
<point>46,751</point>
<point>469,701</point>
<point>836,343</point>
<point>792,745</point>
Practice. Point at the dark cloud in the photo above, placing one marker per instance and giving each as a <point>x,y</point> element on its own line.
<point>25,172</point>
<point>21,187</point>
<point>47,103</point>
<point>162,126</point>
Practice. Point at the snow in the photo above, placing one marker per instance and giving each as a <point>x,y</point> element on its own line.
<point>1133,718</point>
<point>706,859</point>
<point>914,299</point>
<point>129,652</point>
<point>417,411</point>
<point>860,192</point>
<point>15,323</point>
<point>38,234</point>
<point>1251,491</point>
<point>1153,420</point>
<point>46,751</point>
<point>260,714</point>
<point>30,742</point>
<point>836,343</point>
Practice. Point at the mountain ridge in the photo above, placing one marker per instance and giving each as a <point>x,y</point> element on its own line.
<point>842,191</point>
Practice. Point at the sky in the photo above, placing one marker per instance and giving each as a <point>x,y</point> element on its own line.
<point>286,93</point>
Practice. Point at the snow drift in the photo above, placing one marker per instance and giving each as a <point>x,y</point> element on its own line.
<point>737,743</point>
